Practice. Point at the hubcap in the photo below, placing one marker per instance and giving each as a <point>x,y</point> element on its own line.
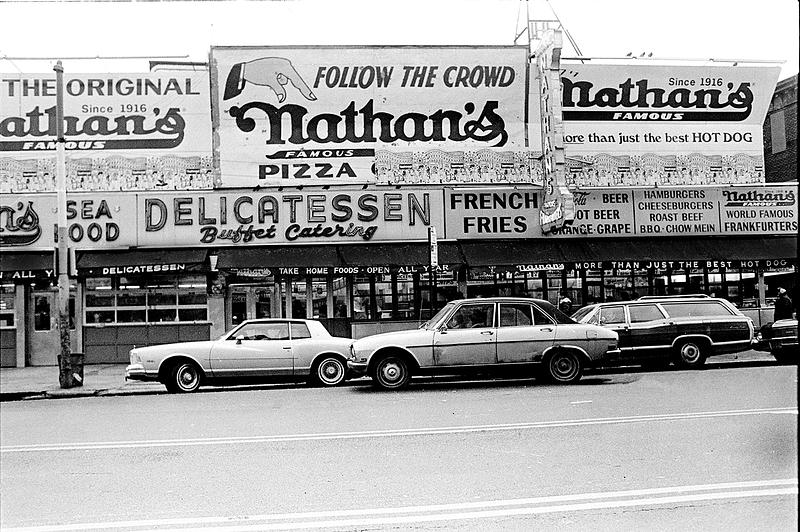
<point>331,371</point>
<point>391,371</point>
<point>690,353</point>
<point>187,377</point>
<point>564,367</point>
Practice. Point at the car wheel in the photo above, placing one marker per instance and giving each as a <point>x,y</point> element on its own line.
<point>185,377</point>
<point>329,371</point>
<point>564,367</point>
<point>391,373</point>
<point>691,354</point>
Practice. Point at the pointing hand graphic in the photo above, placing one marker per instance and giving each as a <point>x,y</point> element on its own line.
<point>273,72</point>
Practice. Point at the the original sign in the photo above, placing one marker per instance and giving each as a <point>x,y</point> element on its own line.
<point>389,114</point>
<point>259,218</point>
<point>122,131</point>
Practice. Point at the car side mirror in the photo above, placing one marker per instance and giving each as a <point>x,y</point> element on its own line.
<point>239,339</point>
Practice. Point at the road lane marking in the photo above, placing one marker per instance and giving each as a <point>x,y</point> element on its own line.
<point>454,511</point>
<point>428,431</point>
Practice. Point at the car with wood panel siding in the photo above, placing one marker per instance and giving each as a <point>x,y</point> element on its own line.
<point>684,330</point>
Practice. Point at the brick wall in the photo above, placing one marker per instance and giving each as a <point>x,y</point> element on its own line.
<point>781,164</point>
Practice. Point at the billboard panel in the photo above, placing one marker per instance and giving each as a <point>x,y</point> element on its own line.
<point>370,114</point>
<point>122,131</point>
<point>654,125</point>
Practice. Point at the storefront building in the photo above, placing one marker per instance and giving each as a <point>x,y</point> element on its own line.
<point>321,204</point>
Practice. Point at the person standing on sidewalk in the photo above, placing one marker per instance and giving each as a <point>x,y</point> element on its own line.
<point>783,306</point>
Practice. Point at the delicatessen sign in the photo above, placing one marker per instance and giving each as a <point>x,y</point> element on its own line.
<point>224,219</point>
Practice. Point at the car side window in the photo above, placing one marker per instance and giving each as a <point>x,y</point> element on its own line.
<point>696,309</point>
<point>644,313</point>
<point>264,331</point>
<point>300,331</point>
<point>515,315</point>
<point>540,317</point>
<point>472,316</point>
<point>612,315</point>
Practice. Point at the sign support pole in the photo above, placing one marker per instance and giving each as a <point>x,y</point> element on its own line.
<point>65,372</point>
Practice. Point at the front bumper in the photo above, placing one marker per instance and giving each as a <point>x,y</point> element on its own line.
<point>136,372</point>
<point>612,357</point>
<point>356,369</point>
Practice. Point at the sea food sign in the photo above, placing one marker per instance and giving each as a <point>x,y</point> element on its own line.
<point>94,220</point>
<point>314,114</point>
<point>253,218</point>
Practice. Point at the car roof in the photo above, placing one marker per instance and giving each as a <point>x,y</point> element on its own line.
<point>662,299</point>
<point>502,300</point>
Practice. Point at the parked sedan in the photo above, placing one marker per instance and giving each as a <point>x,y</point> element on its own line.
<point>780,339</point>
<point>256,350</point>
<point>476,335</point>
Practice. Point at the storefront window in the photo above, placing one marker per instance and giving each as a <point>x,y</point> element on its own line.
<point>534,285</point>
<point>263,298</point>
<point>41,313</point>
<point>319,296</point>
<point>362,304</point>
<point>299,299</point>
<point>6,305</point>
<point>154,299</point>
<point>383,296</point>
<point>340,297</point>
<point>618,285</point>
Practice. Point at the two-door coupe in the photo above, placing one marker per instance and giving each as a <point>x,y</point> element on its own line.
<point>255,351</point>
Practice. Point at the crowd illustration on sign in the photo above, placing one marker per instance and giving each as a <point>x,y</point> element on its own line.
<point>397,168</point>
<point>115,173</point>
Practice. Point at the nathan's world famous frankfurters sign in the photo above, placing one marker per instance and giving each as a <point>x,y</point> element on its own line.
<point>120,129</point>
<point>647,125</point>
<point>356,114</point>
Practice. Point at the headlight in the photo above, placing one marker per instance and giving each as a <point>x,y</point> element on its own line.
<point>135,358</point>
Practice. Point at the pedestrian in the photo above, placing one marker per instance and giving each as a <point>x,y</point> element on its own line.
<point>565,303</point>
<point>783,306</point>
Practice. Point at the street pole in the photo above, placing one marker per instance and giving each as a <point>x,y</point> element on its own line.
<point>65,372</point>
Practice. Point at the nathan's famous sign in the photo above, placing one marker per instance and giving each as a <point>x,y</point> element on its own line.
<point>307,114</point>
<point>112,124</point>
<point>675,124</point>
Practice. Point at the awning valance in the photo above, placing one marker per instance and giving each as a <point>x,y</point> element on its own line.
<point>278,257</point>
<point>399,254</point>
<point>140,261</point>
<point>26,265</point>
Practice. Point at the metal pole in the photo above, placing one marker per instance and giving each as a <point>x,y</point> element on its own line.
<point>65,377</point>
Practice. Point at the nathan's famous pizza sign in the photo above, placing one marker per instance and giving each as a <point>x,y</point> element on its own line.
<point>322,113</point>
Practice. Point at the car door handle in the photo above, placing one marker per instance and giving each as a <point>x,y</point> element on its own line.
<point>287,347</point>
<point>487,332</point>
<point>546,329</point>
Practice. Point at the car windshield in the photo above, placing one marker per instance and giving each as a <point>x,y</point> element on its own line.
<point>581,313</point>
<point>437,317</point>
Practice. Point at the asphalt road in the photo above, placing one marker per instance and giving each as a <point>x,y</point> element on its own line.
<point>714,449</point>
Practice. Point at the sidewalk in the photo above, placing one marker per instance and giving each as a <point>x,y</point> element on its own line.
<point>42,382</point>
<point>109,379</point>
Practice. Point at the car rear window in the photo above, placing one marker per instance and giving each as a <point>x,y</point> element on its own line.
<point>299,331</point>
<point>643,313</point>
<point>696,309</point>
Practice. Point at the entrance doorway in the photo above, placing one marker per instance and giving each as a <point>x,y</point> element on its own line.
<point>249,302</point>
<point>43,339</point>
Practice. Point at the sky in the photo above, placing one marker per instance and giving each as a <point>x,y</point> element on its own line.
<point>766,30</point>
